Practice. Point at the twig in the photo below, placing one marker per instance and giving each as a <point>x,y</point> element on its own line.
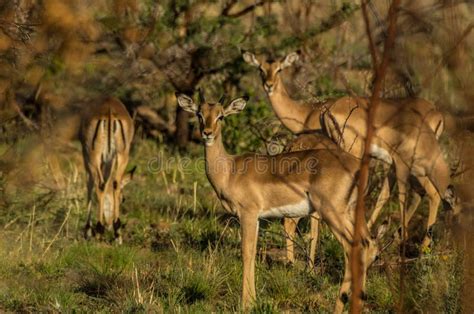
<point>194,196</point>
<point>137,284</point>
<point>246,10</point>
<point>372,49</point>
<point>57,234</point>
<point>356,265</point>
<point>413,259</point>
<point>32,224</point>
<point>443,61</point>
<point>11,222</point>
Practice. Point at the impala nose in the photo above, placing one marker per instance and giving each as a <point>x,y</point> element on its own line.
<point>207,132</point>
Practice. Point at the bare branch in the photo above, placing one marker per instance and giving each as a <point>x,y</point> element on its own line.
<point>372,48</point>
<point>356,265</point>
<point>246,10</point>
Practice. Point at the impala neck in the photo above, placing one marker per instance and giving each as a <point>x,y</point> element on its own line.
<point>294,115</point>
<point>218,164</point>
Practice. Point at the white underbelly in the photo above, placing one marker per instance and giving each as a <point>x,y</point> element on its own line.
<point>300,209</point>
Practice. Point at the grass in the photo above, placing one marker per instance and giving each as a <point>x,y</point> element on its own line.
<point>181,253</point>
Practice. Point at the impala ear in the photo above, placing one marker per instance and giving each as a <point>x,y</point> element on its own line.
<point>128,177</point>
<point>236,106</point>
<point>290,59</point>
<point>250,58</point>
<point>187,103</point>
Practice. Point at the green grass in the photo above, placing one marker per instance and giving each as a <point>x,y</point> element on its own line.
<point>182,254</point>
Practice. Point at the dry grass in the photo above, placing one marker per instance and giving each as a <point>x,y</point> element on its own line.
<point>181,253</point>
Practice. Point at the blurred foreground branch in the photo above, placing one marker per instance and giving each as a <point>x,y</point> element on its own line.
<point>356,265</point>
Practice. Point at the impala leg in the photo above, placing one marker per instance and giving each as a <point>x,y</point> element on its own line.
<point>414,202</point>
<point>368,254</point>
<point>402,181</point>
<point>289,225</point>
<point>99,184</point>
<point>381,200</point>
<point>249,233</point>
<point>314,239</point>
<point>342,228</point>
<point>100,226</point>
<point>122,161</point>
<point>88,232</point>
<point>434,199</point>
<point>345,287</point>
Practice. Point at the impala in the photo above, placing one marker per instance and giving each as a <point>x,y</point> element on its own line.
<point>292,184</point>
<point>344,120</point>
<point>302,142</point>
<point>106,134</point>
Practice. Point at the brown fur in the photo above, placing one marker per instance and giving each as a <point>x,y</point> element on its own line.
<point>344,120</point>
<point>253,186</point>
<point>106,134</point>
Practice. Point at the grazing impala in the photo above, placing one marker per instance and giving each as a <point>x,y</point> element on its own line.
<point>345,120</point>
<point>293,184</point>
<point>106,134</point>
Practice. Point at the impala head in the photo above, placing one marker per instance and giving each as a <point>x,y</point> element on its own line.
<point>270,69</point>
<point>211,114</point>
<point>109,195</point>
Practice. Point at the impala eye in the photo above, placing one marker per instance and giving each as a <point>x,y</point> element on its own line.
<point>220,118</point>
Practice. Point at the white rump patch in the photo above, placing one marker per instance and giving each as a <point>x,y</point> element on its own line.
<point>380,154</point>
<point>300,209</point>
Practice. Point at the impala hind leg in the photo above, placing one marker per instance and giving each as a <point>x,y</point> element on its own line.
<point>434,200</point>
<point>249,233</point>
<point>290,224</point>
<point>88,231</point>
<point>402,173</point>
<point>413,205</point>
<point>383,197</point>
<point>313,242</point>
<point>381,200</point>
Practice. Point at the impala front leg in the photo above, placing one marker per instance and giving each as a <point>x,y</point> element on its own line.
<point>289,225</point>
<point>249,232</point>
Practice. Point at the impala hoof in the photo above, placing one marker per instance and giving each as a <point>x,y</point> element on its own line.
<point>88,232</point>
<point>99,230</point>
<point>344,298</point>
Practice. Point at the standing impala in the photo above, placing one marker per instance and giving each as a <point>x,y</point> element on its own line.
<point>293,184</point>
<point>314,140</point>
<point>344,120</point>
<point>106,134</point>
